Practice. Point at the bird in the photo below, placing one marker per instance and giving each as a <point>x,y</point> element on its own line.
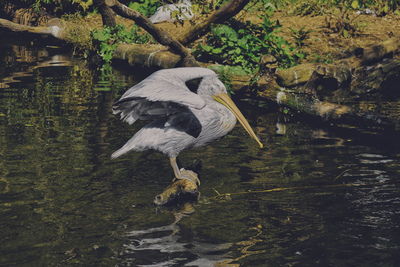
<point>165,13</point>
<point>179,119</point>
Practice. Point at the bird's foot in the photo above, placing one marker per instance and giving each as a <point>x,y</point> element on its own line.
<point>188,175</point>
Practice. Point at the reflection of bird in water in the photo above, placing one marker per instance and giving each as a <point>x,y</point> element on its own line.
<point>180,119</point>
<point>176,245</point>
<point>169,246</point>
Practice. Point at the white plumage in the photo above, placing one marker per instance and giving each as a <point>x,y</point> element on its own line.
<point>179,119</point>
<point>164,13</point>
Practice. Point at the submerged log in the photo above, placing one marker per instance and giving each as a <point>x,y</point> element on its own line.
<point>182,189</point>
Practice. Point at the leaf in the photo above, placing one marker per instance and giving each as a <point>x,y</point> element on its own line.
<point>100,35</point>
<point>206,48</point>
<point>386,8</point>
<point>355,4</point>
<point>217,50</point>
<point>345,33</point>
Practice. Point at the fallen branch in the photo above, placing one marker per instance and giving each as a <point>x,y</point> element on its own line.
<point>10,26</point>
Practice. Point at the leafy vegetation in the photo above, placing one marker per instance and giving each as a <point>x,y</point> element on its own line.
<point>107,39</point>
<point>244,44</point>
<point>340,21</point>
<point>145,7</point>
<point>300,35</point>
<point>60,5</point>
<point>321,7</point>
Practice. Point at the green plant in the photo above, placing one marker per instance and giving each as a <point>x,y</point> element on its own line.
<point>326,59</point>
<point>300,35</point>
<point>310,8</point>
<point>243,44</point>
<point>145,7</point>
<point>59,5</point>
<point>381,7</point>
<point>340,21</point>
<point>106,39</point>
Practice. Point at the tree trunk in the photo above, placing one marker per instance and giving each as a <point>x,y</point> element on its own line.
<point>227,11</point>
<point>159,35</point>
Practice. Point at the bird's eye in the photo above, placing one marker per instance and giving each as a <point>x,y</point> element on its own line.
<point>193,84</point>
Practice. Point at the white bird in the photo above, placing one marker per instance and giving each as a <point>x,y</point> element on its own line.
<point>180,119</point>
<point>164,13</point>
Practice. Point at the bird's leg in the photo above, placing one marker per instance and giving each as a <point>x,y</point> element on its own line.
<point>189,175</point>
<point>175,167</point>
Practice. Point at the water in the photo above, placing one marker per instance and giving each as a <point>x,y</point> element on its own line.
<point>63,202</point>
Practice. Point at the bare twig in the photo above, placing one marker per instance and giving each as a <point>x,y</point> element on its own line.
<point>280,189</point>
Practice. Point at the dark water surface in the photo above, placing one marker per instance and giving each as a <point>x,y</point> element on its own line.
<point>63,202</point>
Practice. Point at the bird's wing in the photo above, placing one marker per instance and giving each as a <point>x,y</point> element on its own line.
<point>161,94</point>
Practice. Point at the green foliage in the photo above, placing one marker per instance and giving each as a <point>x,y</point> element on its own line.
<point>106,40</point>
<point>145,7</point>
<point>300,35</point>
<point>384,7</point>
<point>59,5</point>
<point>310,8</point>
<point>206,6</point>
<point>340,21</point>
<point>244,44</point>
<point>38,3</point>
<point>225,74</point>
<point>381,7</point>
<point>322,7</point>
<point>326,59</point>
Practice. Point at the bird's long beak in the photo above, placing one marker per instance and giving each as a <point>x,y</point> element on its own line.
<point>225,100</point>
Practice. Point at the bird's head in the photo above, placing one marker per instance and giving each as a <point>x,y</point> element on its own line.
<point>211,86</point>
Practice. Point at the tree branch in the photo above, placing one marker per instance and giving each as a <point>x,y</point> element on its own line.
<point>159,35</point>
<point>107,15</point>
<point>227,11</point>
<point>54,31</point>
